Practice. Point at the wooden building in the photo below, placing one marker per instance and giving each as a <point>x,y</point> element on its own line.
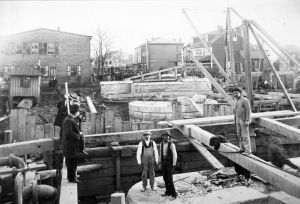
<point>24,82</point>
<point>55,53</point>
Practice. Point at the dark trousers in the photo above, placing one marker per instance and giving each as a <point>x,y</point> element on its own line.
<point>167,172</point>
<point>71,164</point>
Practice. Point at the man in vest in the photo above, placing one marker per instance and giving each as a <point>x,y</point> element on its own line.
<point>146,155</point>
<point>242,112</point>
<point>168,156</point>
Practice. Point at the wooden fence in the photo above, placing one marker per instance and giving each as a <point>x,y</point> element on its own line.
<point>106,122</point>
<point>23,125</point>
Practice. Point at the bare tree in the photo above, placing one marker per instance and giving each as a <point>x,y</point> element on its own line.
<point>102,46</point>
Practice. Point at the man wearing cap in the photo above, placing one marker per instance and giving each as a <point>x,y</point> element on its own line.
<point>242,120</point>
<point>168,157</point>
<point>146,155</point>
<point>70,140</point>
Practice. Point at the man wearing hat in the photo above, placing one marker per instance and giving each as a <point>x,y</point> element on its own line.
<point>146,155</point>
<point>242,112</point>
<point>168,157</point>
<point>70,140</point>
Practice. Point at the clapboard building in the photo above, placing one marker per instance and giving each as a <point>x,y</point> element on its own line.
<point>24,82</point>
<point>52,52</point>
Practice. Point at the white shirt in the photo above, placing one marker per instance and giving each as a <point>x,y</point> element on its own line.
<point>139,151</point>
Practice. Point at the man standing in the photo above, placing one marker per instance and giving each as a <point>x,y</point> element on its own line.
<point>146,155</point>
<point>168,156</point>
<point>242,120</point>
<point>71,138</point>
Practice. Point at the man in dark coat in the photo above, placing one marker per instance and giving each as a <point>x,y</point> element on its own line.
<point>168,157</point>
<point>71,138</point>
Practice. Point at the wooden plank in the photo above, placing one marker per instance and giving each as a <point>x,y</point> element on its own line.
<point>92,124</point>
<point>30,126</point>
<point>98,124</point>
<point>209,157</point>
<point>22,114</point>
<point>135,126</point>
<point>229,118</point>
<point>127,136</point>
<point>117,124</point>
<point>109,118</point>
<point>27,147</point>
<point>68,190</point>
<point>293,121</point>
<point>39,132</point>
<point>49,130</point>
<point>126,126</point>
<point>118,171</point>
<point>13,123</point>
<point>279,128</point>
<point>85,125</point>
<point>283,180</point>
<point>91,105</point>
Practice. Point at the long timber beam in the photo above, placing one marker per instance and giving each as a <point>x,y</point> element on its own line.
<point>279,127</point>
<point>27,147</point>
<point>281,179</point>
<point>230,119</point>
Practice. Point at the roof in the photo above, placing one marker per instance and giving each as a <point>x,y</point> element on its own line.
<point>25,71</point>
<point>47,29</point>
<point>161,41</point>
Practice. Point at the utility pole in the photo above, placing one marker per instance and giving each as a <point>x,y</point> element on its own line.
<point>247,64</point>
<point>231,54</point>
<point>147,56</point>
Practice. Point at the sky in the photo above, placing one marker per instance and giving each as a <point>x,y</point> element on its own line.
<point>131,23</point>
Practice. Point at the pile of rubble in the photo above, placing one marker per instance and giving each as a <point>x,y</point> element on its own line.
<point>201,183</point>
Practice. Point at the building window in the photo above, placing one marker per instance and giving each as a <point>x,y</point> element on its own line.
<point>51,48</point>
<point>74,70</point>
<point>44,70</point>
<point>34,48</point>
<point>25,82</point>
<point>19,48</point>
<point>52,71</point>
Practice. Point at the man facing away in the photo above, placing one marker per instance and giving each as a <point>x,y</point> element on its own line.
<point>242,120</point>
<point>147,157</point>
<point>71,138</point>
<point>168,156</point>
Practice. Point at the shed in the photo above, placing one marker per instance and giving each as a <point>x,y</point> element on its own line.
<point>24,82</point>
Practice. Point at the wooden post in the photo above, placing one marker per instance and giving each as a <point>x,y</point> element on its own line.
<point>273,69</point>
<point>176,110</point>
<point>159,75</point>
<point>231,54</point>
<point>7,136</point>
<point>247,62</point>
<point>175,72</point>
<point>118,171</point>
<point>117,198</point>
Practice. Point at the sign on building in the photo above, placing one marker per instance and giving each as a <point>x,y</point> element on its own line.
<point>200,51</point>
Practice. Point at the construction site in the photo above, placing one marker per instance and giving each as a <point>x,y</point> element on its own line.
<point>194,101</point>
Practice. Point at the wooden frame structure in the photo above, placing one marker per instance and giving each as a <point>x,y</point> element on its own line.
<point>279,178</point>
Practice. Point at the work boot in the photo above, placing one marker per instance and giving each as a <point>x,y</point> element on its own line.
<point>153,189</point>
<point>143,190</point>
<point>173,198</point>
<point>165,194</point>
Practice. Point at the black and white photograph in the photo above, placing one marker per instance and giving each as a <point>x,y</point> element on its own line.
<point>149,101</point>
